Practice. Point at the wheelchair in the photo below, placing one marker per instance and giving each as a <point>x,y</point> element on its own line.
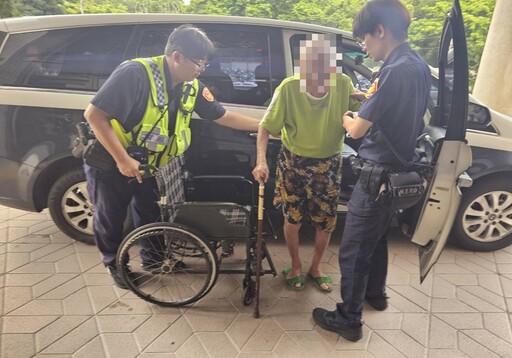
<point>176,261</point>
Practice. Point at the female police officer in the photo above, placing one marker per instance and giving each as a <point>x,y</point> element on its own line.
<point>395,108</point>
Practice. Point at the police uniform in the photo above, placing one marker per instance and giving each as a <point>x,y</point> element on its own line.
<point>149,113</point>
<point>396,104</point>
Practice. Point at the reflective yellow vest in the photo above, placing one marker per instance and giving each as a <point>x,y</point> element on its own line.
<point>152,131</point>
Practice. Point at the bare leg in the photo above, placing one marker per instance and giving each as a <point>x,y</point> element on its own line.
<point>322,239</point>
<point>291,236</point>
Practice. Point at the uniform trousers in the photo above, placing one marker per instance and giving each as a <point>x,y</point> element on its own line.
<point>111,193</point>
<point>363,255</point>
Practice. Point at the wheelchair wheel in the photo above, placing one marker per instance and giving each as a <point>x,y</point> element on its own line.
<point>249,292</point>
<point>156,264</point>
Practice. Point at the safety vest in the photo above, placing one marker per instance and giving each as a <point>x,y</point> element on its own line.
<point>152,131</point>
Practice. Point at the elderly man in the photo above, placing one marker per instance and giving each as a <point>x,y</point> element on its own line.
<point>306,110</point>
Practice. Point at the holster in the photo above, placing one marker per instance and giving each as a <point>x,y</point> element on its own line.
<point>371,178</point>
<point>96,156</point>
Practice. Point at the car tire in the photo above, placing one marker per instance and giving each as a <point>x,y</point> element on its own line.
<point>484,219</point>
<point>70,207</point>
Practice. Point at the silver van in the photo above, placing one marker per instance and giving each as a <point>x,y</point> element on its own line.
<point>51,66</point>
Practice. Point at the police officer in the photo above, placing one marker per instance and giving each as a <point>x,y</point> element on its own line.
<point>148,103</point>
<point>397,102</point>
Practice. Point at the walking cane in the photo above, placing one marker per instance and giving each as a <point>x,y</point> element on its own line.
<point>261,192</point>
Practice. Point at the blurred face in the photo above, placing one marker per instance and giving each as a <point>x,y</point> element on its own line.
<point>317,63</point>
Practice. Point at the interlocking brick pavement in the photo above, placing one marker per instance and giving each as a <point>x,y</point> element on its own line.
<point>56,299</point>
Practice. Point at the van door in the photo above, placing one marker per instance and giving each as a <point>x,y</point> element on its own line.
<point>451,153</point>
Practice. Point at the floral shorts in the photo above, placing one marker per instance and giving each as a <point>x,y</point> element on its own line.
<point>308,187</point>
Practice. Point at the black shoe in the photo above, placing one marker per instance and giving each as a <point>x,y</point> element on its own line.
<point>116,276</point>
<point>379,303</point>
<point>331,321</point>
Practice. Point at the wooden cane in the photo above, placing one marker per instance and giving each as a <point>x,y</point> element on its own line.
<point>259,243</point>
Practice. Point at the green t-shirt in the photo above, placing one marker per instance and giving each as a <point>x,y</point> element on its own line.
<point>310,127</point>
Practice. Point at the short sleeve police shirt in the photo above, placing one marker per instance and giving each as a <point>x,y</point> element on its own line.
<point>396,106</point>
<point>125,94</point>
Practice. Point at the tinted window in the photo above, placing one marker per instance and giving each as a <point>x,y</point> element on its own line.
<point>247,66</point>
<point>80,59</point>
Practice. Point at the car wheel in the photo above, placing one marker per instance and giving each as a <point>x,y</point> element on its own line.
<point>484,220</point>
<point>70,207</point>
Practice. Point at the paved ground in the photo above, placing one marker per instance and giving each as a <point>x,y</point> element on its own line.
<point>56,300</point>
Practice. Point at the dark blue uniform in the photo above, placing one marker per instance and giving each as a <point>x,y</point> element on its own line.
<point>398,103</point>
<point>124,96</point>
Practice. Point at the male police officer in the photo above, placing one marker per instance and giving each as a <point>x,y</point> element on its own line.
<point>395,109</point>
<point>148,103</point>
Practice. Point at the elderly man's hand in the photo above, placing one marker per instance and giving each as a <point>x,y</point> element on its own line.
<point>359,95</point>
<point>261,173</point>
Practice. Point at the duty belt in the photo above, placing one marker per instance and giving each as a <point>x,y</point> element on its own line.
<point>371,174</point>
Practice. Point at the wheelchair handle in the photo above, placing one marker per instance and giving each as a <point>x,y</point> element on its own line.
<point>147,169</point>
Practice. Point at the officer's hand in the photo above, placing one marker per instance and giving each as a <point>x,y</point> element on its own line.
<point>260,173</point>
<point>129,167</point>
<point>348,119</point>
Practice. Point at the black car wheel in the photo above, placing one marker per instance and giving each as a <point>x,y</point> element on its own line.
<point>484,220</point>
<point>70,207</point>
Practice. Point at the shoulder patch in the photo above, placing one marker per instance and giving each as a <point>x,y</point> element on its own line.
<point>373,88</point>
<point>208,95</point>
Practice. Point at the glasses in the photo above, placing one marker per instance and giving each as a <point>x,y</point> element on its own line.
<point>360,42</point>
<point>200,64</point>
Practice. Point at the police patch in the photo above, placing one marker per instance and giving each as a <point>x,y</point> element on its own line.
<point>373,88</point>
<point>208,95</point>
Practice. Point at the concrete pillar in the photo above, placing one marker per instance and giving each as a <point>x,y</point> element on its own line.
<point>493,84</point>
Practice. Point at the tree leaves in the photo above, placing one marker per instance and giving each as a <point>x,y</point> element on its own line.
<point>424,33</point>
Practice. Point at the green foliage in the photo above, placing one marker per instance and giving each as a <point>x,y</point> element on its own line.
<point>93,7</point>
<point>154,6</point>
<point>7,9</point>
<point>37,7</point>
<point>424,33</point>
<point>121,6</point>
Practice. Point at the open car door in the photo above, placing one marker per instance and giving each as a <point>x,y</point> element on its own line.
<point>450,152</point>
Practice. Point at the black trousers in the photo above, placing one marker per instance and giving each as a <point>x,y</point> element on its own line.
<point>111,193</point>
<point>363,255</point>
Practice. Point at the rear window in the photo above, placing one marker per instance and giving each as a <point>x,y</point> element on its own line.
<point>76,59</point>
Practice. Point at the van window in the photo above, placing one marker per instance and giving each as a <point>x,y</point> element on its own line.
<point>247,66</point>
<point>75,59</point>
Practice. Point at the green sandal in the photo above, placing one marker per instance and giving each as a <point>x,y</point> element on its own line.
<point>320,280</point>
<point>292,282</point>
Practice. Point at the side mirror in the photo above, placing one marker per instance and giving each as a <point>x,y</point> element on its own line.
<point>479,117</point>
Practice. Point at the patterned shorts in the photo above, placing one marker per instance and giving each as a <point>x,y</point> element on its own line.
<point>308,187</point>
